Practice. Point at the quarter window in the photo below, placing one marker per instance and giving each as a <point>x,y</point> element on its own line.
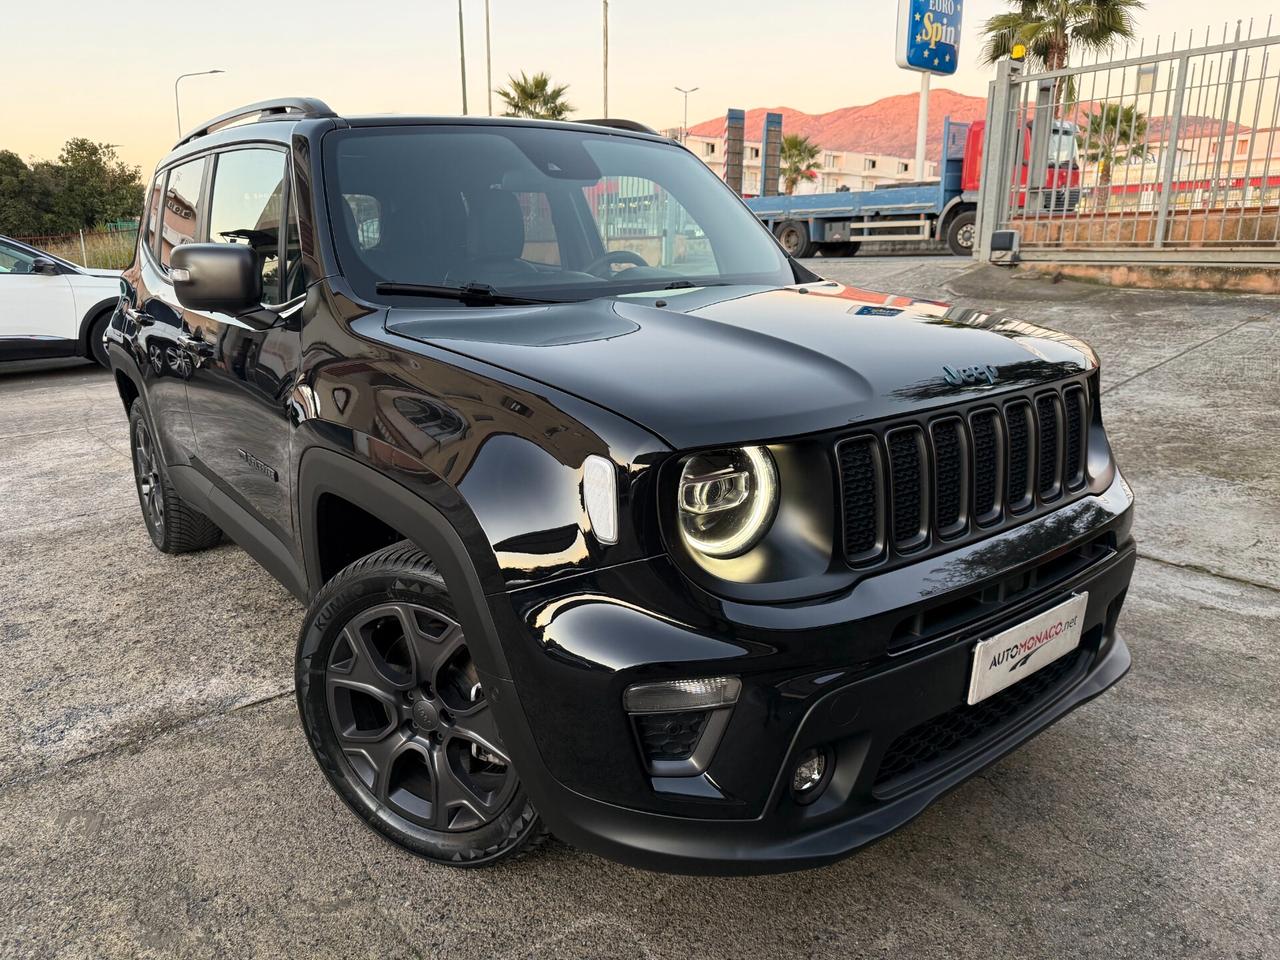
<point>182,200</point>
<point>247,207</point>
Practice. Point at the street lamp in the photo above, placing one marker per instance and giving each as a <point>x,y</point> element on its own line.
<point>177,108</point>
<point>462,59</point>
<point>606,58</point>
<point>488,58</point>
<point>684,131</point>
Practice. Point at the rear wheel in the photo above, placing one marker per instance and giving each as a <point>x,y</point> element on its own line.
<point>794,237</point>
<point>961,233</point>
<point>398,719</point>
<point>174,525</point>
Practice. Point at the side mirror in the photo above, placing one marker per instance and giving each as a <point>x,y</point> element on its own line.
<point>220,277</point>
<point>44,266</point>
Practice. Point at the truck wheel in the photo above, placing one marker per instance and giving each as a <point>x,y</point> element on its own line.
<point>174,525</point>
<point>961,233</point>
<point>794,237</point>
<point>396,716</point>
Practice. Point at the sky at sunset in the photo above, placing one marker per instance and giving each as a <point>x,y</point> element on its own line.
<point>106,71</point>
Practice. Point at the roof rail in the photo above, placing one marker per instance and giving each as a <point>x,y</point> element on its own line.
<point>264,110</point>
<point>620,125</point>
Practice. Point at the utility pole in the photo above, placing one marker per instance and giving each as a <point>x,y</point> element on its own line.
<point>606,58</point>
<point>462,59</point>
<point>684,130</point>
<point>488,58</point>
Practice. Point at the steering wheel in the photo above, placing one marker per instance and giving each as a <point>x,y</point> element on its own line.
<point>615,256</point>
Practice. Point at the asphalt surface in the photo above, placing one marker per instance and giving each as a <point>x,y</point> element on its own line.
<point>157,798</point>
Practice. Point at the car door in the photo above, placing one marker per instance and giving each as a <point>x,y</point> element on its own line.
<point>244,367</point>
<point>37,310</point>
<point>175,216</point>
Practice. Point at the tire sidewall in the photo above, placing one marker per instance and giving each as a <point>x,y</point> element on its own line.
<point>98,349</point>
<point>967,219</point>
<point>138,416</point>
<point>337,603</point>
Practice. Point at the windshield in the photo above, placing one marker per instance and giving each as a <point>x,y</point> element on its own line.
<point>546,213</point>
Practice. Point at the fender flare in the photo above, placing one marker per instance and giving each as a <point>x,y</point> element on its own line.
<point>86,323</point>
<point>322,470</point>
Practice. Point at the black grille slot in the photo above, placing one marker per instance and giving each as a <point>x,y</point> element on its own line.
<point>927,482</point>
<point>950,483</point>
<point>986,466</point>
<point>1073,470</point>
<point>670,736</point>
<point>862,501</point>
<point>933,743</point>
<point>906,468</point>
<point>1018,425</point>
<point>1049,478</point>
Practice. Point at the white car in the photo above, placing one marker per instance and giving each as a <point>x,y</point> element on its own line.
<point>50,307</point>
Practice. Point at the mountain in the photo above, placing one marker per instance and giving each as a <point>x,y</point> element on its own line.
<point>887,126</point>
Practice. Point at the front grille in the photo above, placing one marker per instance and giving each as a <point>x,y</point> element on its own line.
<point>670,736</point>
<point>936,741</point>
<point>935,480</point>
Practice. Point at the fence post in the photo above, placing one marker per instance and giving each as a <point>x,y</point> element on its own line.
<point>1171,153</point>
<point>992,194</point>
<point>84,257</point>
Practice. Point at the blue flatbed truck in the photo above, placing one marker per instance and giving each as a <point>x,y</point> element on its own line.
<point>837,224</point>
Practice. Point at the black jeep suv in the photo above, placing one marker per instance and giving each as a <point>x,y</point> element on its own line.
<point>610,519</point>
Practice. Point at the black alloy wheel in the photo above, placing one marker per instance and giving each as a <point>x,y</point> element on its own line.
<point>146,471</point>
<point>398,718</point>
<point>174,525</point>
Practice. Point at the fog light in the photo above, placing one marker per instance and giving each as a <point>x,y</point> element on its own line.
<point>810,773</point>
<point>671,696</point>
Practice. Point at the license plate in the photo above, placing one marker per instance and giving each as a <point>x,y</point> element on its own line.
<point>1020,651</point>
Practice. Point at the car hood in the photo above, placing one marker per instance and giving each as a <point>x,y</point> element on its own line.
<point>727,365</point>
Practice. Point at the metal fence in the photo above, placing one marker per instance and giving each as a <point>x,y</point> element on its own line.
<point>101,249</point>
<point>1172,155</point>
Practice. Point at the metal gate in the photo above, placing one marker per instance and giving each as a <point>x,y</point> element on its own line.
<point>1168,156</point>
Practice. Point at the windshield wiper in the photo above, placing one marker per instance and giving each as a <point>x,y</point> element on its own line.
<point>690,285</point>
<point>471,294</point>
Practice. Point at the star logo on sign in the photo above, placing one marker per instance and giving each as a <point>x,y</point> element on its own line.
<point>917,15</point>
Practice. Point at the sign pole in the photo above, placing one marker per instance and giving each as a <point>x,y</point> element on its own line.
<point>922,128</point>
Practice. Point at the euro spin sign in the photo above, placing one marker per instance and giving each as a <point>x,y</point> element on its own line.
<point>929,35</point>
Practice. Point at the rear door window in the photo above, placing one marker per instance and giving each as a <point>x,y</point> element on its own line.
<point>182,199</point>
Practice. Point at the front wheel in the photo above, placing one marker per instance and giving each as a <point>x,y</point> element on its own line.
<point>397,717</point>
<point>97,344</point>
<point>961,233</point>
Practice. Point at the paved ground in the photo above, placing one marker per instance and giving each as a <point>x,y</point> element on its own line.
<point>157,798</point>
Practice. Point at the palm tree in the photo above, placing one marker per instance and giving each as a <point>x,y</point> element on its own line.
<point>534,97</point>
<point>1110,135</point>
<point>799,160</point>
<point>1052,29</point>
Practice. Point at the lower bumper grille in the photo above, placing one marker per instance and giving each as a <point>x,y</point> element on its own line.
<point>936,741</point>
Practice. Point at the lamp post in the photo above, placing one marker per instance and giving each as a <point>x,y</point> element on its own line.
<point>684,130</point>
<point>177,107</point>
<point>462,59</point>
<point>606,58</point>
<point>488,59</point>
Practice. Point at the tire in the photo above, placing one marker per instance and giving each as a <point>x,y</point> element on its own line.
<point>961,233</point>
<point>175,526</point>
<point>794,237</point>
<point>848,248</point>
<point>97,330</point>
<point>398,721</point>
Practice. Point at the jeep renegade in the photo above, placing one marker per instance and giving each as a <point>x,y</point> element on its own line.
<point>611,520</point>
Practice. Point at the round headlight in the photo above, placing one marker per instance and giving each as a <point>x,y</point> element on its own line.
<point>727,500</point>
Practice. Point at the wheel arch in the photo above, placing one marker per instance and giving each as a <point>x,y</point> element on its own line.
<point>106,305</point>
<point>326,473</point>
<point>952,210</point>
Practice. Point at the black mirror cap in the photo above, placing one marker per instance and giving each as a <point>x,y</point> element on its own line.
<point>44,266</point>
<point>220,277</point>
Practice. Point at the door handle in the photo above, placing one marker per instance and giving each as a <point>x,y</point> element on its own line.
<point>201,352</point>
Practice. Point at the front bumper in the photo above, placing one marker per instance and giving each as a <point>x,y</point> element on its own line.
<point>835,673</point>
